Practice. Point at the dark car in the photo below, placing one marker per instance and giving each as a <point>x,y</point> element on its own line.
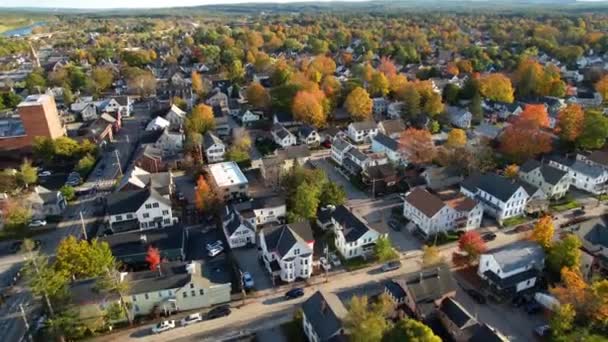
<point>489,237</point>
<point>578,212</point>
<point>478,297</point>
<point>519,301</point>
<point>533,308</point>
<point>218,311</point>
<point>294,293</point>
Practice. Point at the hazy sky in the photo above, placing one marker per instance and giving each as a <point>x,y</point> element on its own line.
<point>130,3</point>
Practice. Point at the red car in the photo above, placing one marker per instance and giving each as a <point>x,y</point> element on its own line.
<point>326,144</point>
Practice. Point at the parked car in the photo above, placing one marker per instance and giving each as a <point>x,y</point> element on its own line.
<point>215,251</point>
<point>326,144</point>
<point>219,311</point>
<point>215,245</point>
<point>394,225</point>
<point>248,280</point>
<point>543,330</point>
<point>324,264</point>
<point>294,293</point>
<point>163,326</point>
<point>37,223</point>
<point>44,173</point>
<point>578,212</point>
<point>334,260</point>
<point>533,307</point>
<point>489,237</point>
<point>191,319</point>
<point>391,266</point>
<point>477,296</point>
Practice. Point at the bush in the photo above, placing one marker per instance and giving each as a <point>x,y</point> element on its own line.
<point>514,221</point>
<point>85,165</point>
<point>68,192</point>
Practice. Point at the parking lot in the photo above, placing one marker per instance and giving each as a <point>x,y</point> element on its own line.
<point>247,258</point>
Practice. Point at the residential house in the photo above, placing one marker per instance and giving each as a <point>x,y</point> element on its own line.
<point>138,209</point>
<point>228,180</point>
<point>239,232</point>
<point>176,117</point>
<point>593,234</point>
<point>553,182</point>
<point>170,143</point>
<point>431,215</point>
<point>282,136</point>
<point>420,293</point>
<point>273,167</point>
<point>379,106</point>
<point>43,202</point>
<point>150,158</point>
<point>392,128</point>
<point>174,287</point>
<point>360,132</point>
<point>460,117</point>
<point>308,135</point>
<point>441,177</point>
<point>587,98</point>
<point>221,121</point>
<point>247,117</point>
<point>86,110</point>
<point>214,148</point>
<point>217,98</point>
<point>339,148</point>
<point>394,110</point>
<point>584,175</point>
<point>157,124</point>
<point>125,105</point>
<point>287,251</point>
<point>132,248</point>
<point>458,322</point>
<point>323,317</point>
<point>512,268</point>
<point>381,179</point>
<point>353,237</point>
<point>263,210</point>
<point>382,143</point>
<point>136,178</point>
<point>285,120</point>
<point>500,197</point>
<point>487,333</point>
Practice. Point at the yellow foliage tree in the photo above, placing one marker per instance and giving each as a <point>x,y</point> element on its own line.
<point>511,171</point>
<point>543,232</point>
<point>456,138</point>
<point>307,107</point>
<point>497,87</point>
<point>359,104</point>
<point>602,87</point>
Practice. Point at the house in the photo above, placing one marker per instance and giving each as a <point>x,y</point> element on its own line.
<point>157,124</point>
<point>500,197</point>
<point>247,117</point>
<point>553,182</point>
<point>441,177</point>
<point>170,143</point>
<point>263,210</point>
<point>587,98</point>
<point>282,136</point>
<point>353,237</point>
<point>584,175</point>
<point>176,117</point>
<point>323,317</point>
<point>382,143</point>
<point>86,110</point>
<point>175,286</point>
<point>381,179</point>
<point>222,124</point>
<point>593,234</point>
<point>284,119</point>
<point>487,333</point>
<point>136,178</point>
<point>394,110</point>
<point>339,148</point>
<point>287,251</point>
<point>512,268</point>
<point>458,322</point>
<point>238,231</point>
<point>391,128</point>
<point>431,215</point>
<point>132,248</point>
<point>217,98</point>
<point>273,167</point>
<point>360,132</point>
<point>308,135</point>
<point>460,117</point>
<point>107,105</point>
<point>138,209</point>
<point>420,293</point>
<point>43,202</point>
<point>125,105</point>
<point>214,148</point>
<point>379,106</point>
<point>150,158</point>
<point>228,180</point>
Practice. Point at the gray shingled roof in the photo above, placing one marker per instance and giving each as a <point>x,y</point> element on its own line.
<point>354,228</point>
<point>325,312</point>
<point>594,235</point>
<point>341,145</point>
<point>457,313</point>
<point>280,131</point>
<point>210,139</point>
<point>499,187</point>
<point>362,125</point>
<point>387,141</point>
<point>518,254</point>
<point>130,201</point>
<point>393,126</point>
<point>281,239</point>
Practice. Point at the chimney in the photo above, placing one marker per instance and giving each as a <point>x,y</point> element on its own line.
<point>143,238</point>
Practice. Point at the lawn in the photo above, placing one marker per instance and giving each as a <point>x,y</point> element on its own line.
<point>567,205</point>
<point>442,239</point>
<point>514,221</point>
<point>356,263</point>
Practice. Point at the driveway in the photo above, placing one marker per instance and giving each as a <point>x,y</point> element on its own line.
<point>352,193</point>
<point>247,258</point>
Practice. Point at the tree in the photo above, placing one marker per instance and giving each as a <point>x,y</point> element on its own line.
<point>35,82</point>
<point>450,93</point>
<point>387,67</point>
<point>365,322</point>
<point>68,96</point>
<point>140,81</point>
<point>475,108</point>
<point>417,146</point>
<point>197,84</point>
<point>68,192</point>
<point>332,193</point>
<point>497,87</point>
<point>236,72</point>
<point>201,119</point>
<point>10,99</point>
<point>524,139</point>
<point>85,165</point>
<point>28,174</point>
<point>43,149</point>
<point>602,87</point>
<point>258,96</point>
<point>536,114</point>
<point>456,138</point>
<point>379,85</point>
<point>543,232</point>
<point>359,104</point>
<point>411,101</point>
<point>511,171</point>
<point>431,256</point>
<point>16,217</point>
<point>66,148</point>
<point>307,107</point>
<point>410,330</point>
<point>472,243</point>
<point>572,290</point>
<point>153,258</point>
<point>562,321</point>
<point>570,122</point>
<point>102,79</point>
<point>80,259</point>
<point>595,130</point>
<point>384,249</point>
<point>179,102</point>
<point>204,197</point>
<point>45,280</point>
<point>306,202</point>
<point>565,253</point>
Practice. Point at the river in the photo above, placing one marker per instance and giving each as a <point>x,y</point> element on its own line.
<point>23,31</point>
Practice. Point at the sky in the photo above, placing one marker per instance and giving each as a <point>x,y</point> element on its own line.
<point>132,3</point>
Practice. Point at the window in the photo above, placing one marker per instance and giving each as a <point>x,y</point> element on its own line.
<point>185,294</point>
<point>118,217</point>
<point>134,298</point>
<point>296,251</point>
<point>167,221</point>
<point>191,286</point>
<point>146,215</point>
<point>193,293</point>
<point>136,308</point>
<point>129,216</point>
<point>165,212</point>
<point>160,294</point>
<point>201,292</point>
<point>155,205</point>
<point>148,205</point>
<point>146,296</point>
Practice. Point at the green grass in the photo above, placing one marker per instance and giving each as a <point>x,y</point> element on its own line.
<point>563,206</point>
<point>514,221</point>
<point>356,263</point>
<point>442,239</point>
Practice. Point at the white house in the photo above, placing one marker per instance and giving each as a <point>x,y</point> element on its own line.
<point>359,132</point>
<point>176,117</point>
<point>170,143</point>
<point>379,105</point>
<point>308,135</point>
<point>238,231</point>
<point>431,215</point>
<point>512,268</point>
<point>248,117</point>
<point>287,250</point>
<point>323,317</point>
<point>217,98</point>
<point>554,182</point>
<point>500,197</point>
<point>282,136</point>
<point>584,175</point>
<point>138,209</point>
<point>339,148</point>
<point>228,180</point>
<point>214,148</point>
<point>460,117</point>
<point>263,210</point>
<point>391,128</point>
<point>43,202</point>
<point>353,238</point>
<point>157,124</point>
<point>385,144</point>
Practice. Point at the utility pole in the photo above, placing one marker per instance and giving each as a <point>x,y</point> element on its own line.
<point>27,325</point>
<point>118,162</point>
<point>84,228</point>
<point>46,296</point>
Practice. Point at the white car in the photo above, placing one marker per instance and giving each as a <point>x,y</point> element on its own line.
<point>37,223</point>
<point>163,326</point>
<point>248,280</point>
<point>325,264</point>
<point>215,251</point>
<point>215,245</point>
<point>191,319</point>
<point>334,260</point>
<point>44,173</point>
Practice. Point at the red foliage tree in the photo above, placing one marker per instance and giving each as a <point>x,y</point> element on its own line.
<point>153,258</point>
<point>472,243</point>
<point>525,139</point>
<point>536,114</point>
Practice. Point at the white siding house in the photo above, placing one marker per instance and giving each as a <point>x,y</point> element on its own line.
<point>384,144</point>
<point>282,136</point>
<point>287,251</point>
<point>353,238</point>
<point>554,182</point>
<point>214,148</point>
<point>360,132</point>
<point>139,209</point>
<point>586,176</point>
<point>238,231</point>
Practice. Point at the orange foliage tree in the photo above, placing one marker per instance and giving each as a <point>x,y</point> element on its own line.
<point>536,114</point>
<point>205,197</point>
<point>153,258</point>
<point>387,67</point>
<point>572,290</point>
<point>602,87</point>
<point>570,122</point>
<point>257,96</point>
<point>417,146</point>
<point>472,243</point>
<point>525,139</point>
<point>543,232</point>
<point>307,107</point>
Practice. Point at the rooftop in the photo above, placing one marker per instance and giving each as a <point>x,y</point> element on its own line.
<point>227,174</point>
<point>35,100</point>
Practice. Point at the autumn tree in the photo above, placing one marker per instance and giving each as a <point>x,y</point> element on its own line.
<point>102,79</point>
<point>359,104</point>
<point>511,171</point>
<point>532,79</point>
<point>562,321</point>
<point>602,87</point>
<point>204,197</point>
<point>524,139</point>
<point>197,83</point>
<point>28,174</point>
<point>565,253</point>
<point>431,256</point>
<point>410,330</point>
<point>411,101</point>
<point>201,119</point>
<point>153,258</point>
<point>572,290</point>
<point>456,138</point>
<point>536,114</point>
<point>258,96</point>
<point>81,259</point>
<point>417,146</point>
<point>387,67</point>
<point>543,232</point>
<point>595,130</point>
<point>570,122</point>
<point>497,87</point>
<point>365,321</point>
<point>379,85</point>
<point>396,83</point>
<point>307,108</point>
<point>472,244</point>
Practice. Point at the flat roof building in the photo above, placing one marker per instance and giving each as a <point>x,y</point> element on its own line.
<point>228,180</point>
